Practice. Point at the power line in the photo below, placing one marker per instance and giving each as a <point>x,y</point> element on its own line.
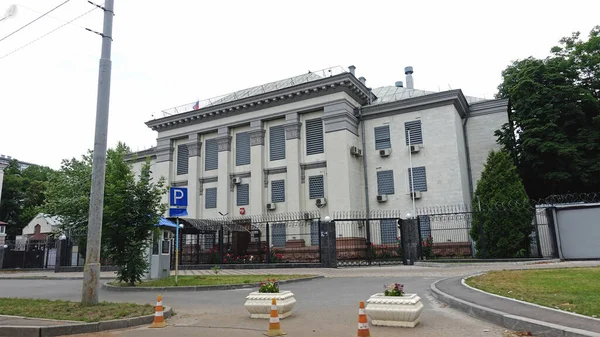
<point>50,32</point>
<point>50,16</point>
<point>39,17</point>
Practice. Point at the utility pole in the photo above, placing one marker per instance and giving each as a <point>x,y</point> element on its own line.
<point>91,271</point>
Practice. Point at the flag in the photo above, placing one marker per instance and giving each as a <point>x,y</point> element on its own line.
<point>196,106</point>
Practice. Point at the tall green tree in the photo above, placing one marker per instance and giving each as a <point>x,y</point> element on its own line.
<point>501,212</point>
<point>554,129</point>
<point>23,192</point>
<point>132,206</point>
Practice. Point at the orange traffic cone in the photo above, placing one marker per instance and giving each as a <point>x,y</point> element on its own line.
<point>159,318</point>
<point>274,326</point>
<point>363,324</point>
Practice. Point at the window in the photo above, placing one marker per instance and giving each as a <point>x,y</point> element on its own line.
<point>242,149</point>
<point>385,182</point>
<point>277,142</point>
<point>211,155</point>
<point>420,179</point>
<point>191,239</point>
<point>389,230</point>
<point>243,194</point>
<point>210,198</point>
<point>314,233</point>
<point>278,191</point>
<point>416,135</point>
<point>182,159</point>
<point>315,187</point>
<point>278,235</point>
<point>1,229</point>
<point>314,136</point>
<point>382,137</point>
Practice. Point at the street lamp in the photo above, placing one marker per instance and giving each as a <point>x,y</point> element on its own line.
<point>408,216</point>
<point>62,237</point>
<point>327,219</point>
<point>5,246</point>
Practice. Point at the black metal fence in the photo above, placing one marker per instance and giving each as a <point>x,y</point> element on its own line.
<point>32,254</point>
<point>265,239</point>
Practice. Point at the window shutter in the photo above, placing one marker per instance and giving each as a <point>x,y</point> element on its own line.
<point>242,149</point>
<point>315,187</point>
<point>314,136</point>
<point>420,179</point>
<point>210,198</point>
<point>382,137</point>
<point>182,159</point>
<point>389,230</point>
<point>278,235</point>
<point>211,155</point>
<point>385,182</point>
<point>278,191</point>
<point>276,142</point>
<point>243,194</point>
<point>416,135</point>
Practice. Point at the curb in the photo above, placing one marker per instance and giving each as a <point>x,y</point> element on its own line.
<point>81,328</point>
<point>59,278</point>
<point>459,263</point>
<point>513,322</point>
<point>202,288</point>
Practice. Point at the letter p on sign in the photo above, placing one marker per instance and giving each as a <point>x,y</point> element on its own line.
<point>178,196</point>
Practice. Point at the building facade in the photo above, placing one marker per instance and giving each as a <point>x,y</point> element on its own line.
<point>326,142</point>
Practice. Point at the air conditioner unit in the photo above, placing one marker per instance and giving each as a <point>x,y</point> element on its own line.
<point>237,180</point>
<point>321,202</point>
<point>271,206</point>
<point>415,148</point>
<point>355,151</point>
<point>382,198</point>
<point>385,152</point>
<point>417,194</point>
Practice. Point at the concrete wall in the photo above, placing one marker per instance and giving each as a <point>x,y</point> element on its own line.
<point>578,231</point>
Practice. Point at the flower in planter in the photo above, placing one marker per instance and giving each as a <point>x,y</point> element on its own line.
<point>271,286</point>
<point>394,289</point>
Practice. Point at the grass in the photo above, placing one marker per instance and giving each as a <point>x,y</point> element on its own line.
<point>210,280</point>
<point>574,289</point>
<point>71,311</point>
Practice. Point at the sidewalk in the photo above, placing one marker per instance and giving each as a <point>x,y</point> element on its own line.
<point>512,314</point>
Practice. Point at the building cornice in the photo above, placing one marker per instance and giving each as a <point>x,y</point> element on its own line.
<point>344,82</point>
<point>454,97</point>
<point>488,107</point>
<point>140,156</point>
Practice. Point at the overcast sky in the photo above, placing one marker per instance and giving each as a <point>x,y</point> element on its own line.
<point>169,53</point>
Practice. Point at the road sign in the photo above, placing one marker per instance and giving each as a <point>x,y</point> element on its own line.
<point>177,212</point>
<point>178,197</point>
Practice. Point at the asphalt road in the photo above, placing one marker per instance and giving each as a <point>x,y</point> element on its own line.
<point>325,307</point>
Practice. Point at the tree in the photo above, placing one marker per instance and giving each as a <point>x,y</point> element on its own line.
<point>22,195</point>
<point>132,206</point>
<point>501,213</point>
<point>554,129</point>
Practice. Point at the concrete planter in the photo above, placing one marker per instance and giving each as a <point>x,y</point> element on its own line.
<point>395,311</point>
<point>259,304</point>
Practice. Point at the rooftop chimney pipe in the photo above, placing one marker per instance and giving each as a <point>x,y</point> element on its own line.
<point>352,69</point>
<point>363,80</point>
<point>409,79</point>
<point>400,84</point>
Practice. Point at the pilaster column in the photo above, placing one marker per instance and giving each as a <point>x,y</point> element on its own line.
<point>257,153</point>
<point>194,150</point>
<point>164,162</point>
<point>295,188</point>
<point>224,148</point>
<point>2,167</point>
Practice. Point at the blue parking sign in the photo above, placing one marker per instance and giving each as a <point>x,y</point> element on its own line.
<point>178,197</point>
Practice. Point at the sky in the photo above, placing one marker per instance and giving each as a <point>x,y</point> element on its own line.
<point>170,53</point>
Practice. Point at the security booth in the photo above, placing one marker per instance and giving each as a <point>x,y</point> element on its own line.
<point>160,260</point>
